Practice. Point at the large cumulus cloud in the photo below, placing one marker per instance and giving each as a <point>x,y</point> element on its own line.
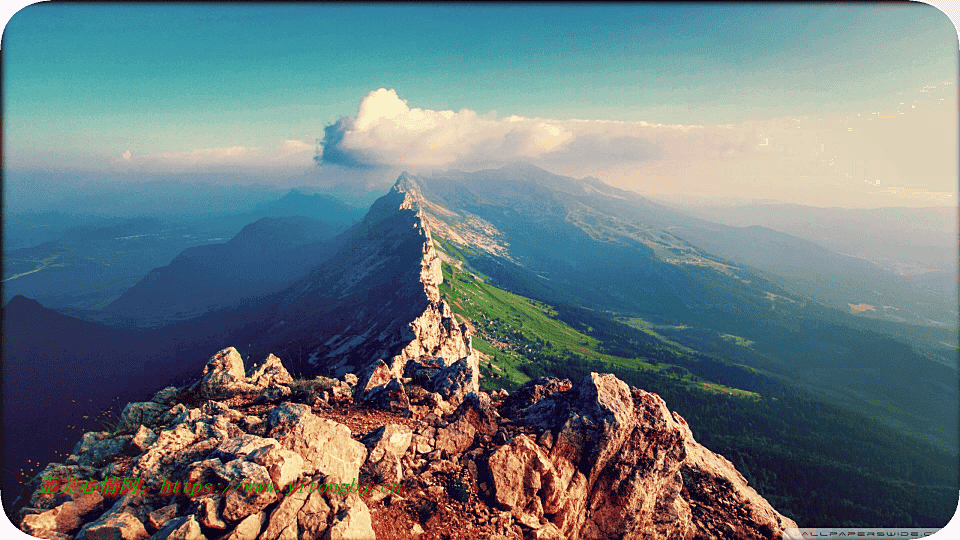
<point>794,158</point>
<point>386,132</point>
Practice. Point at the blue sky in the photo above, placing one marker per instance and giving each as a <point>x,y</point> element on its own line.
<point>137,87</point>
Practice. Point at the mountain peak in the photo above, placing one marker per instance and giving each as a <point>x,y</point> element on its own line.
<point>406,183</point>
<point>522,166</point>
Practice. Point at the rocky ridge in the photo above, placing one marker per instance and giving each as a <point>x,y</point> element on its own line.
<point>377,298</point>
<point>590,459</point>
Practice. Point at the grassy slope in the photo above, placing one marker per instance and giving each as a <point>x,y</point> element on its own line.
<point>527,332</point>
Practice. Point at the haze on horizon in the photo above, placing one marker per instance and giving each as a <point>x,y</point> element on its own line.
<point>844,105</point>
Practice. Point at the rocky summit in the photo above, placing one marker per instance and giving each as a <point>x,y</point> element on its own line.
<point>421,453</point>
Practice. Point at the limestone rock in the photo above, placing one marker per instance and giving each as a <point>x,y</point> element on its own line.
<point>224,376</point>
<point>146,413</point>
<point>255,490</point>
<point>313,518</point>
<point>142,439</point>
<point>325,446</point>
<point>387,446</point>
<point>454,382</point>
<point>156,463</point>
<point>530,393</point>
<point>208,512</point>
<point>248,528</point>
<point>167,396</point>
<point>159,517</point>
<point>353,522</point>
<point>96,448</point>
<point>284,516</point>
<point>187,530</point>
<point>377,375</point>
<point>389,397</point>
<point>240,447</point>
<point>120,526</point>
<point>66,518</point>
<point>270,373</point>
<point>621,466</point>
<point>283,466</point>
<point>421,369</point>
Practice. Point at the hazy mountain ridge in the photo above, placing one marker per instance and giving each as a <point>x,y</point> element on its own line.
<point>92,258</point>
<point>262,258</point>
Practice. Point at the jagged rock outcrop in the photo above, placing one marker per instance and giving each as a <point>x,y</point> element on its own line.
<point>611,461</point>
<point>592,460</point>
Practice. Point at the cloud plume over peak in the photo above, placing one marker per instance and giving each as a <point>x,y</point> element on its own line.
<point>817,160</point>
<point>386,131</point>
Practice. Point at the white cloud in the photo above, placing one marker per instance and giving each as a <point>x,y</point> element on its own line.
<point>813,159</point>
<point>126,155</point>
<point>386,131</point>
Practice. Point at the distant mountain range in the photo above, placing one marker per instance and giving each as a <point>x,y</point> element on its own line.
<point>264,256</point>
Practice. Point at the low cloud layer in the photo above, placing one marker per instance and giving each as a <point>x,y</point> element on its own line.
<point>291,154</point>
<point>801,158</point>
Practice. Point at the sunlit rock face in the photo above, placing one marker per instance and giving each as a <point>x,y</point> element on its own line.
<point>611,461</point>
<point>595,459</point>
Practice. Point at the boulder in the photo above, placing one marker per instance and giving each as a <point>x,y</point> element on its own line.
<point>325,446</point>
<point>377,375</point>
<point>142,439</point>
<point>240,447</point>
<point>389,397</point>
<point>421,369</point>
<point>223,376</point>
<point>64,519</point>
<point>159,517</point>
<point>166,453</point>
<point>352,523</point>
<point>248,528</point>
<point>531,392</point>
<point>284,466</point>
<point>119,526</point>
<point>96,448</point>
<point>284,516</point>
<point>313,518</point>
<point>208,512</point>
<point>387,445</point>
<point>254,490</point>
<point>188,529</point>
<point>134,415</point>
<point>49,499</point>
<point>270,373</point>
<point>477,410</point>
<point>167,396</point>
<point>456,437</point>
